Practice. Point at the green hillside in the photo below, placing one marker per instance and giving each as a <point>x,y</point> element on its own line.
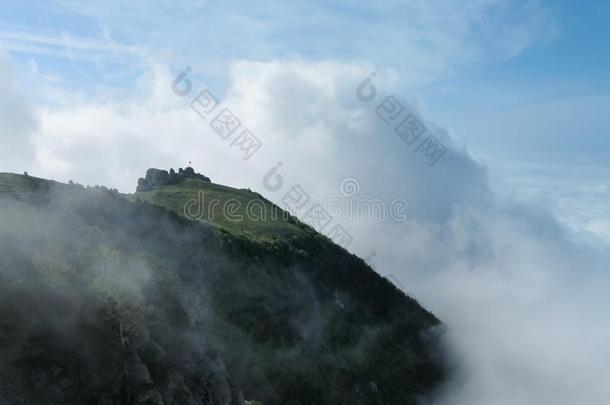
<point>108,298</point>
<point>23,187</point>
<point>264,221</point>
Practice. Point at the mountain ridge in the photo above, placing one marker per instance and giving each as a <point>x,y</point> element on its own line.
<point>261,303</point>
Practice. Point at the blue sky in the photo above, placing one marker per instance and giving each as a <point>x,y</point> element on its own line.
<point>533,91</point>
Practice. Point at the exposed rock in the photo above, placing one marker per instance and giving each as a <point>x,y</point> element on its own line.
<point>175,391</point>
<point>237,397</point>
<point>143,185</point>
<point>158,178</point>
<point>201,380</point>
<point>210,377</point>
<point>140,382</point>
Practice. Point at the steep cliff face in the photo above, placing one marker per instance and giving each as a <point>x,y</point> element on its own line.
<point>109,299</point>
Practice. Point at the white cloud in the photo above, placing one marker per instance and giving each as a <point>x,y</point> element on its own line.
<point>579,195</point>
<point>17,120</point>
<point>113,141</point>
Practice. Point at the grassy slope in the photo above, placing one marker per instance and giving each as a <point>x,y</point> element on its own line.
<point>266,222</point>
<point>20,186</point>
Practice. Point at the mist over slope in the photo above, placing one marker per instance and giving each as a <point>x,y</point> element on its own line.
<point>106,299</point>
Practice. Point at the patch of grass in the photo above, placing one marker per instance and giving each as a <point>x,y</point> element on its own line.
<point>241,212</point>
<point>17,185</point>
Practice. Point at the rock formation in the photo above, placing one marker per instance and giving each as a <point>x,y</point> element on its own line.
<point>157,177</point>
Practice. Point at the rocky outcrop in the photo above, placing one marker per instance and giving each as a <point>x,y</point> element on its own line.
<point>140,382</point>
<point>158,177</point>
<point>145,377</point>
<point>200,379</point>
